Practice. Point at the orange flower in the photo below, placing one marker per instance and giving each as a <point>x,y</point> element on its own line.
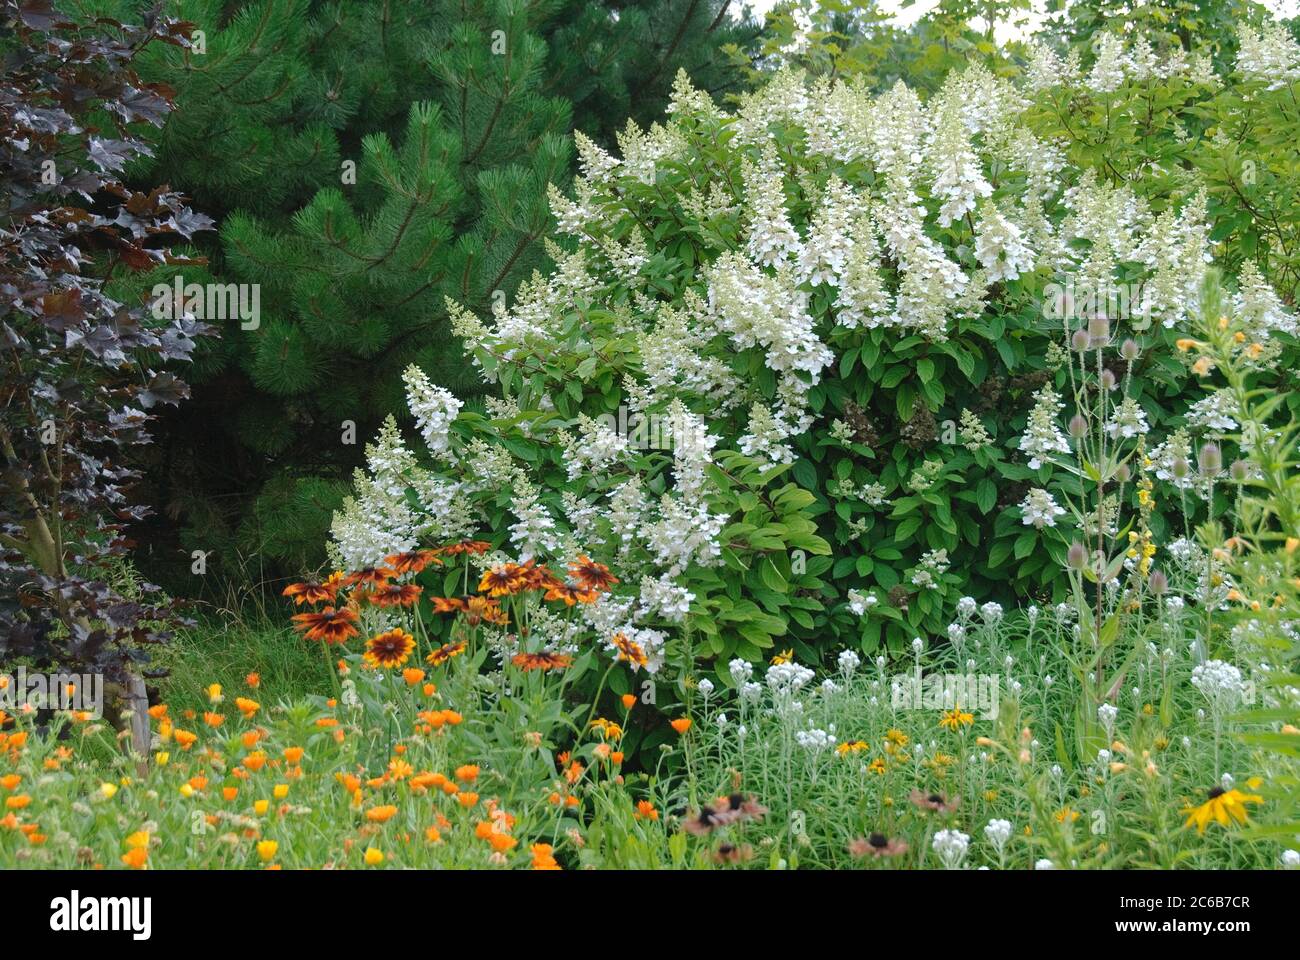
<point>213,719</point>
<point>412,676</point>
<point>592,575</point>
<point>445,653</point>
<point>629,650</point>
<point>467,773</point>
<point>185,738</point>
<point>137,858</point>
<point>466,546</point>
<point>681,724</point>
<point>542,858</point>
<point>541,661</point>
<point>18,801</point>
<point>412,562</point>
<point>254,680</point>
<point>629,701</point>
<point>502,580</point>
<point>394,595</point>
<point>390,649</point>
<point>247,707</point>
<point>329,625</point>
<point>645,810</point>
<point>292,755</point>
<point>467,798</point>
<point>381,814</point>
<point>10,781</point>
<point>158,711</point>
<point>313,591</point>
<point>369,577</point>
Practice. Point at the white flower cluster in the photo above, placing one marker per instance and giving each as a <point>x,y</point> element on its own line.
<point>433,407</point>
<point>1269,55</point>
<point>1040,509</point>
<point>1220,682</point>
<point>1042,437</point>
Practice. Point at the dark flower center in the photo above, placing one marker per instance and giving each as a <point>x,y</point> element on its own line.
<point>878,840</point>
<point>1217,792</point>
<point>935,798</point>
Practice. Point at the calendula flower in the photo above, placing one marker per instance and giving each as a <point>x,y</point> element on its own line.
<point>373,857</point>
<point>266,849</point>
<point>645,810</point>
<point>681,724</point>
<point>381,814</point>
<point>390,649</point>
<point>1223,807</point>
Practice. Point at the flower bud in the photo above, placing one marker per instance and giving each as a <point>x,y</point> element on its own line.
<point>1239,471</point>
<point>1210,460</point>
<point>1123,474</point>
<point>1159,583</point>
<point>1129,350</point>
<point>1077,556</point>
<point>1078,426</point>
<point>1099,330</point>
<point>1108,381</point>
<point>1079,342</point>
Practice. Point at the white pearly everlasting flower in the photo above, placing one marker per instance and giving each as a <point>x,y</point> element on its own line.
<point>951,846</point>
<point>1220,682</point>
<point>998,833</point>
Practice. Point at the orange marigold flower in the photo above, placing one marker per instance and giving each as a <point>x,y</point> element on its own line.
<point>542,858</point>
<point>137,858</point>
<point>158,711</point>
<point>645,810</point>
<point>381,814</point>
<point>254,680</point>
<point>681,724</point>
<point>292,755</point>
<point>185,738</point>
<point>213,719</point>
<point>247,707</point>
<point>629,701</point>
<point>467,773</point>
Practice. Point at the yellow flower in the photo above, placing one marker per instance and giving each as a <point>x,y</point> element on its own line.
<point>108,789</point>
<point>260,806</point>
<point>374,857</point>
<point>266,850</point>
<point>161,758</point>
<point>785,656</point>
<point>280,791</point>
<point>138,840</point>
<point>1222,806</point>
<point>214,693</point>
<point>955,719</point>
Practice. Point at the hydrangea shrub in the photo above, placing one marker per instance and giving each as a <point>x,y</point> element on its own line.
<point>796,373</point>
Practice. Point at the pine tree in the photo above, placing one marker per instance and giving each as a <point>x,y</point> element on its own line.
<point>369,159</point>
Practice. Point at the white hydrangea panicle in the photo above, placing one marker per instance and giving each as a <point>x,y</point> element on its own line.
<point>1259,306</point>
<point>765,438</point>
<point>772,237</point>
<point>1269,55</point>
<point>1040,509</point>
<point>826,253</point>
<point>958,177</point>
<point>1107,73</point>
<point>594,162</point>
<point>1127,420</point>
<point>663,597</point>
<point>862,299</point>
<point>1042,438</point>
<point>686,532</point>
<point>534,532</point>
<point>597,448</point>
<point>433,407</point>
<point>1000,246</point>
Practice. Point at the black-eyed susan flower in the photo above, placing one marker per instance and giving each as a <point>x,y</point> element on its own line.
<point>592,575</point>
<point>1223,807</point>
<point>394,595</point>
<point>314,591</point>
<point>955,719</point>
<point>369,577</point>
<point>329,625</point>
<point>445,653</point>
<point>934,802</point>
<point>542,660</point>
<point>629,651</point>
<point>389,649</point>
<point>413,561</point>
